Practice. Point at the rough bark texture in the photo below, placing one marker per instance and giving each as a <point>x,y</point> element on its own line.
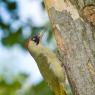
<point>75,21</point>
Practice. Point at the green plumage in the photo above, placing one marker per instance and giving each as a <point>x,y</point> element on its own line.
<point>49,67</point>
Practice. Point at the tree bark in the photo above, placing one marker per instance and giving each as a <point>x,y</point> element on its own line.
<point>73,22</point>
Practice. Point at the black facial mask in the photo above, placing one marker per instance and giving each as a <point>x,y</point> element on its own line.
<point>36,39</point>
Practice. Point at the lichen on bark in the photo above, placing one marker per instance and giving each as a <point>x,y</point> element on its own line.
<point>79,43</point>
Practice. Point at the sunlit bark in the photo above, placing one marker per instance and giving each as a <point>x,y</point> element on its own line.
<point>73,22</point>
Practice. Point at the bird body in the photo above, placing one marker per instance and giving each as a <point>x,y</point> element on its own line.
<point>49,66</point>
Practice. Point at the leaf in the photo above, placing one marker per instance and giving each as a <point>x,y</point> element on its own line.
<point>11,5</point>
<point>13,38</point>
<point>42,89</point>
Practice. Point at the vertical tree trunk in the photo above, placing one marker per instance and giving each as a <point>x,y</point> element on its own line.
<point>74,27</point>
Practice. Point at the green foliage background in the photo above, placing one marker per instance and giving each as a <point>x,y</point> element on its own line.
<point>13,37</point>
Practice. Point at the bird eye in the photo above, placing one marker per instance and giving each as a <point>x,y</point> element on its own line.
<point>36,39</point>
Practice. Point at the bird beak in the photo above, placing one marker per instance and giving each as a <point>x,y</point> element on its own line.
<point>26,43</point>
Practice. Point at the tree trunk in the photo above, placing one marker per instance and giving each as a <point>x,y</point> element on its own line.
<point>74,27</point>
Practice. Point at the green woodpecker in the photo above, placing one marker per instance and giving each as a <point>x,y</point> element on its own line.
<point>48,64</point>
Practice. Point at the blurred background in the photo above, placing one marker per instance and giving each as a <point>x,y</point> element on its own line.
<point>20,19</point>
